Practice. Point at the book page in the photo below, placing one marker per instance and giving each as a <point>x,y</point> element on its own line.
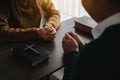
<point>88,21</point>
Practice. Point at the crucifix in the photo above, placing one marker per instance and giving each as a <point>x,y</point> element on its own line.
<point>31,48</point>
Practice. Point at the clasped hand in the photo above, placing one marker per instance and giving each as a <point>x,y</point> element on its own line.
<point>47,33</point>
<point>71,42</point>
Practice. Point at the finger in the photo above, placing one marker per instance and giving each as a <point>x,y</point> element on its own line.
<point>51,37</point>
<point>77,38</point>
<point>48,29</point>
<point>72,34</point>
<point>53,32</point>
<point>64,40</point>
<point>68,36</point>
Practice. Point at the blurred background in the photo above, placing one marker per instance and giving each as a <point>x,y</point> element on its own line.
<point>70,8</point>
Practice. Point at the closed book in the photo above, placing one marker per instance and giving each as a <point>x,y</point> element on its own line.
<point>31,53</point>
<point>85,24</point>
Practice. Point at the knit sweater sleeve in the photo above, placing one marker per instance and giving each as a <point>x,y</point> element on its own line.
<point>51,14</point>
<point>11,34</point>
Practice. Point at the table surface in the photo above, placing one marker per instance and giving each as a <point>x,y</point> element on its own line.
<point>12,68</point>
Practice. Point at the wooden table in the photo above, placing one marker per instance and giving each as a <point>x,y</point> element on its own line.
<point>12,68</point>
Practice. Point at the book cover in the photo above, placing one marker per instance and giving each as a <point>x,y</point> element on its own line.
<point>31,53</point>
<point>85,24</point>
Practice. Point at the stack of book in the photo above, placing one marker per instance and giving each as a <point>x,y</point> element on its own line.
<point>85,24</point>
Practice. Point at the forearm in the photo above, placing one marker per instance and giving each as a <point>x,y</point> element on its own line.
<point>18,34</point>
<point>51,14</point>
<point>53,20</point>
<point>69,62</point>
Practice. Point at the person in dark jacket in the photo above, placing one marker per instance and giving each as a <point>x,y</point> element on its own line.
<point>100,58</point>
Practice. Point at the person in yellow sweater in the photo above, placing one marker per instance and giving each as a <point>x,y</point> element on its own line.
<point>20,20</point>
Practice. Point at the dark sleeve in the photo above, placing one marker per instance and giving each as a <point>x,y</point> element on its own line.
<point>69,62</point>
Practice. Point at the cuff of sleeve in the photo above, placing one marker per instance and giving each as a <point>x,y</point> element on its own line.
<point>53,24</point>
<point>71,58</point>
<point>35,33</point>
<point>50,25</point>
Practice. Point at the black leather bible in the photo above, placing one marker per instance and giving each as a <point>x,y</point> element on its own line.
<point>31,53</point>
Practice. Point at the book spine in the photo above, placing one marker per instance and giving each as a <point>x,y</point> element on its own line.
<point>82,27</point>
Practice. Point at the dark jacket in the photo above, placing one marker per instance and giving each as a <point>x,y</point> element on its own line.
<point>98,60</point>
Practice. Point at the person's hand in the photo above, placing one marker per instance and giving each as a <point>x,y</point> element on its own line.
<point>77,38</point>
<point>47,33</point>
<point>69,44</point>
<point>51,32</point>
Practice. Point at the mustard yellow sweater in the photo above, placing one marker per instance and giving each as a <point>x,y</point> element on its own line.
<point>20,19</point>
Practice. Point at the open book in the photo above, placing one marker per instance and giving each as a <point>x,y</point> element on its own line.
<point>85,24</point>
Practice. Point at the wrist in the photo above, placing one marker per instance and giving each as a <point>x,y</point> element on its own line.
<point>71,51</point>
<point>49,25</point>
<point>71,58</point>
<point>75,50</point>
<point>39,32</point>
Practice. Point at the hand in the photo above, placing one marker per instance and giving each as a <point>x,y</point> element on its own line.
<point>47,33</point>
<point>69,44</point>
<point>51,31</point>
<point>77,38</point>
